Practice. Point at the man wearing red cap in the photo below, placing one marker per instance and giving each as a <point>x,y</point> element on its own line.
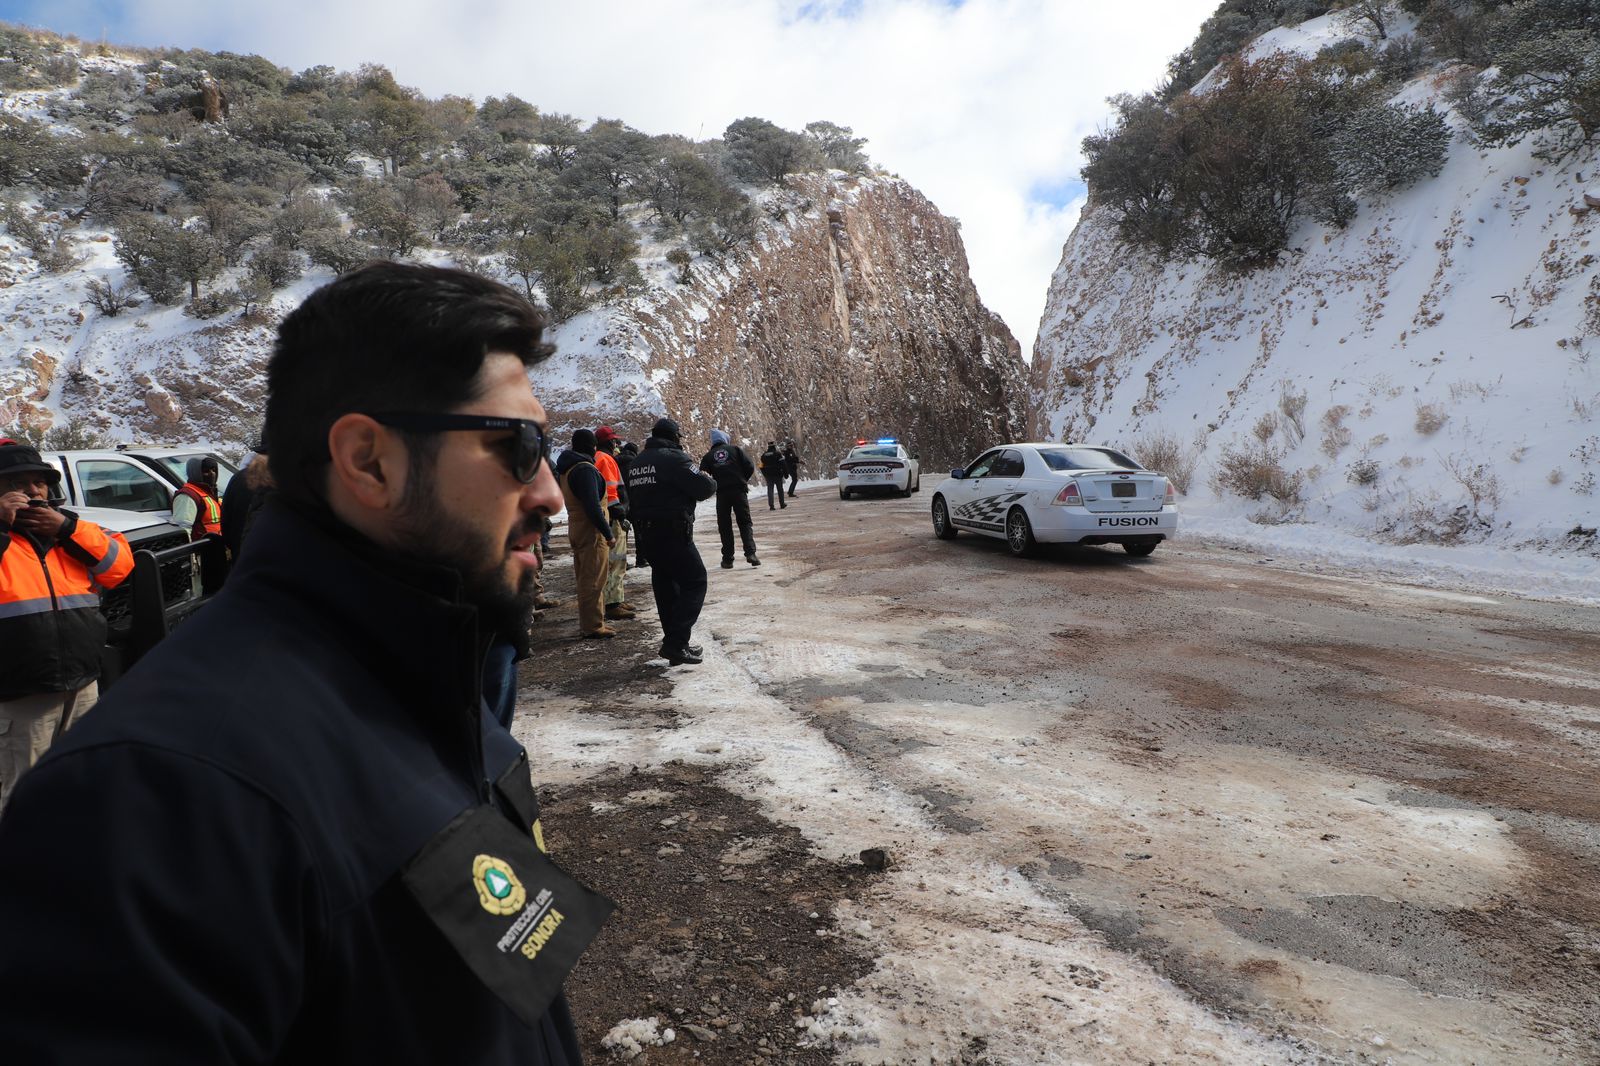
<point>605,458</point>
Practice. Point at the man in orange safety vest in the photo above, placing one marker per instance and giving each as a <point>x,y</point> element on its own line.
<point>52,566</point>
<point>195,507</point>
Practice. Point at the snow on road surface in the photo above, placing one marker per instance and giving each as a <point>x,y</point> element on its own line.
<point>1044,854</point>
<point>964,946</point>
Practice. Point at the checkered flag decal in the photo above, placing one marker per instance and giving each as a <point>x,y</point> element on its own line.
<point>988,511</point>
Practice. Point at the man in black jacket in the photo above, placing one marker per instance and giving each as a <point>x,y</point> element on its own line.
<point>663,488</point>
<point>772,470</point>
<point>326,852</point>
<point>625,455</point>
<point>732,470</point>
<point>791,466</point>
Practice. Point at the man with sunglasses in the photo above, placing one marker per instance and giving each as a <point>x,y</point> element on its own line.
<point>329,852</point>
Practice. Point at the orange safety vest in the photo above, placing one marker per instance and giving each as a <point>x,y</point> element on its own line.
<point>51,628</point>
<point>208,512</point>
<point>611,472</point>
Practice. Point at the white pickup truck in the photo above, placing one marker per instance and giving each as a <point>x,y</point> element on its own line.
<point>179,583</point>
<point>130,479</point>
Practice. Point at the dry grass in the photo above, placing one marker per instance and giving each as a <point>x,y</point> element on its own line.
<point>1335,434</point>
<point>1363,472</point>
<point>1292,408</point>
<point>1477,480</point>
<point>1430,418</point>
<point>1257,474</point>
<point>1163,451</point>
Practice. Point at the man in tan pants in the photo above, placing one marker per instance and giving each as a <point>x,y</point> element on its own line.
<point>52,568</point>
<point>605,459</point>
<point>588,531</point>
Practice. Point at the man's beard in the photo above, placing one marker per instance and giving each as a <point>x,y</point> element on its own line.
<point>430,533</point>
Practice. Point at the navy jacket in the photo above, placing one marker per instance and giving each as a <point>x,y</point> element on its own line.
<point>664,484</point>
<point>204,870</point>
<point>730,467</point>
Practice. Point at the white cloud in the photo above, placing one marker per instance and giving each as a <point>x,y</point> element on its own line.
<point>975,103</point>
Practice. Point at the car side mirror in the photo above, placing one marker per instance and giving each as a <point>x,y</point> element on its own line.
<point>958,473</point>
<point>914,455</point>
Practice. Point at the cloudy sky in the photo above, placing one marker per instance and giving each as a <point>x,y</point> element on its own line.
<point>979,103</point>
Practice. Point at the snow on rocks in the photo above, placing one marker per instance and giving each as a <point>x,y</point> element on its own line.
<point>629,1039</point>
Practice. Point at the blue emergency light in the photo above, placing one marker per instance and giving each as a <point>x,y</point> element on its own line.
<point>887,440</point>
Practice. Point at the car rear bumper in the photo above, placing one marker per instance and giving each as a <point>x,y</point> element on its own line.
<point>899,480</point>
<point>1077,525</point>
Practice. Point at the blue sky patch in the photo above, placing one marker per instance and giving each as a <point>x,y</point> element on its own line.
<point>1057,193</point>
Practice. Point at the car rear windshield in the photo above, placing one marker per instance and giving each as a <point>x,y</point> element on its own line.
<point>1086,459</point>
<point>884,451</point>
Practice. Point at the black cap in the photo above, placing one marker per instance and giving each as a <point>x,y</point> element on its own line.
<point>583,441</point>
<point>665,428</point>
<point>21,459</point>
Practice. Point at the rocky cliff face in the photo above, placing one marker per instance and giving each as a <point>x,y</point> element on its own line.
<point>852,315</point>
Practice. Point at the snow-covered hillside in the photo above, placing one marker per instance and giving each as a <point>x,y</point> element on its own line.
<point>851,311</point>
<point>1429,374</point>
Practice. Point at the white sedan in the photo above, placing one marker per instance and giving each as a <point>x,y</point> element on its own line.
<point>1028,494</point>
<point>879,464</point>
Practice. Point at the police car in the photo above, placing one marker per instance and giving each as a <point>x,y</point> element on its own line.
<point>1027,494</point>
<point>879,464</point>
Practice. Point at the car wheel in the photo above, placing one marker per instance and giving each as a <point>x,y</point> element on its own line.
<point>844,494</point>
<point>905,493</point>
<point>1139,551</point>
<point>1019,533</point>
<point>941,520</point>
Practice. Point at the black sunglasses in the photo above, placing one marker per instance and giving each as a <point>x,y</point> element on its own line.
<point>531,447</point>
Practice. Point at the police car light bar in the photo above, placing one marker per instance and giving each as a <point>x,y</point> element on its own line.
<point>887,440</point>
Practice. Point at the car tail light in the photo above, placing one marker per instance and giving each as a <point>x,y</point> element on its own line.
<point>1069,497</point>
<point>1172,497</point>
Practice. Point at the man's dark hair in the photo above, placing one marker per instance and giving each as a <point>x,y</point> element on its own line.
<point>386,337</point>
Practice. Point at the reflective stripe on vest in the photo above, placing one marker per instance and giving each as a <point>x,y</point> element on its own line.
<point>208,512</point>
<point>611,473</point>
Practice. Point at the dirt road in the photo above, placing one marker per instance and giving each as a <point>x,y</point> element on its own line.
<point>1194,808</point>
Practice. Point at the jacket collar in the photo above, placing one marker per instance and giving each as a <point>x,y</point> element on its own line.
<point>404,620</point>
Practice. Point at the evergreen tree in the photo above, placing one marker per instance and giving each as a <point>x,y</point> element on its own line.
<point>763,153</point>
<point>1546,85</point>
<point>612,160</point>
<point>560,136</point>
<point>1388,146</point>
<point>511,118</point>
<point>838,146</point>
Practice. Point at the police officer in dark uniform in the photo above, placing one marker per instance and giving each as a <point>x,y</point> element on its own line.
<point>625,455</point>
<point>732,469</point>
<point>663,487</point>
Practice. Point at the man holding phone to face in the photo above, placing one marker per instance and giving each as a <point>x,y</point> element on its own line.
<point>52,566</point>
